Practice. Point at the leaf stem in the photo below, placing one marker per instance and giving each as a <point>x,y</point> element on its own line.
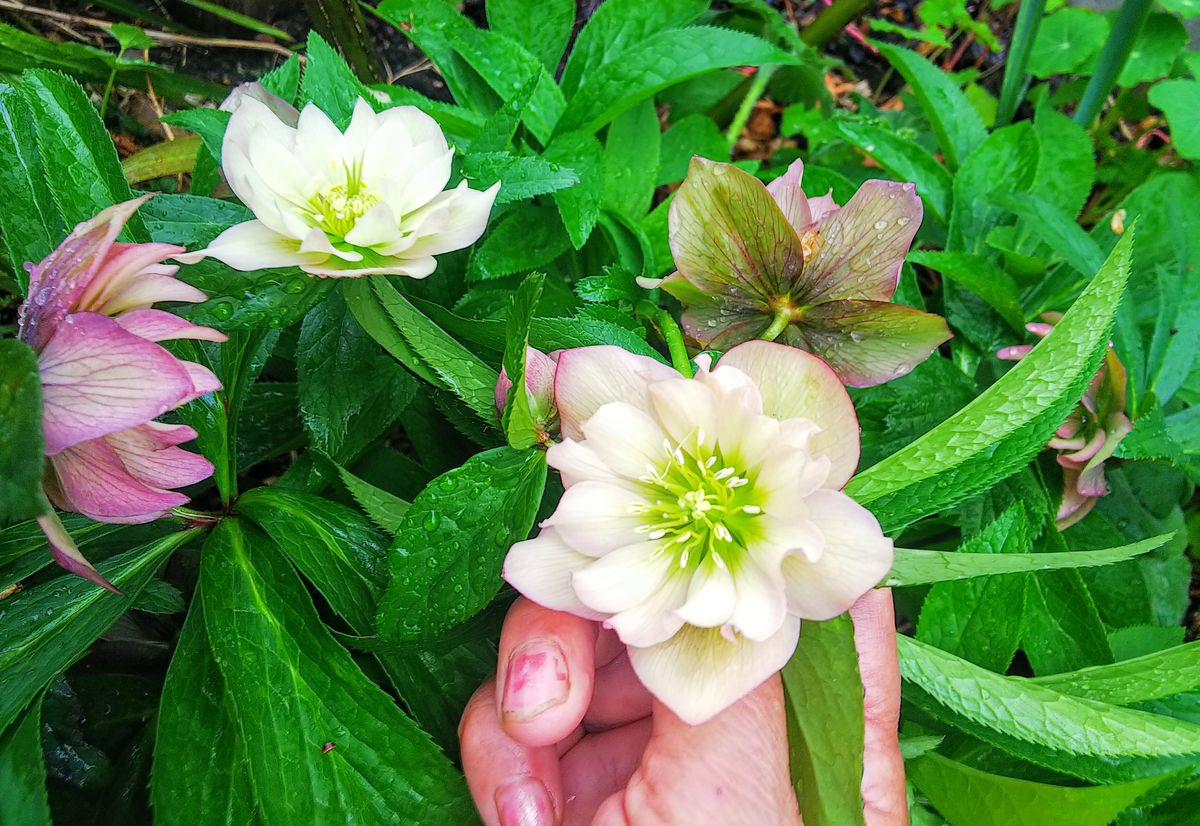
<point>1112,59</point>
<point>1016,78</point>
<point>783,317</point>
<point>740,118</point>
<point>830,22</point>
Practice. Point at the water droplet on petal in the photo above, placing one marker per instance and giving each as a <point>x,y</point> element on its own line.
<point>880,224</point>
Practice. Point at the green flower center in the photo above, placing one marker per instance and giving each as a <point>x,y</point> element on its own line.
<point>336,209</point>
<point>702,508</point>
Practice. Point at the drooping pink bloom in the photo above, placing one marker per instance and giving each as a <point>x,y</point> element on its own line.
<point>105,379</point>
<point>1091,432</point>
<point>759,261</point>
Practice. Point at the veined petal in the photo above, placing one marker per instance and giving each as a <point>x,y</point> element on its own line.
<point>253,245</point>
<point>622,578</point>
<point>861,247</point>
<point>98,378</point>
<point>94,481</point>
<point>122,266</point>
<point>541,569</point>
<point>856,556</point>
<point>699,672</point>
<point>159,325</point>
<point>868,342</point>
<point>203,380</point>
<point>787,193</point>
<point>590,377</point>
<point>761,603</point>
<point>717,319</point>
<point>595,518</point>
<point>150,287</point>
<point>797,385</point>
<point>66,552</point>
<point>152,461</point>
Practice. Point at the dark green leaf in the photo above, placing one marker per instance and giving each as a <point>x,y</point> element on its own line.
<point>631,160</point>
<point>906,159</point>
<point>384,509</point>
<point>979,275</point>
<point>518,420</point>
<point>1005,162</point>
<point>445,561</point>
<point>1066,40</point>
<point>579,205</point>
<point>526,238</point>
<point>32,225</point>
<point>545,37</point>
<point>688,137</point>
<point>23,799</point>
<point>521,176</point>
<point>20,434</point>
<point>328,82</point>
<point>209,124</point>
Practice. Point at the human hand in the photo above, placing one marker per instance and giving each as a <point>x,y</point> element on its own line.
<point>574,738</point>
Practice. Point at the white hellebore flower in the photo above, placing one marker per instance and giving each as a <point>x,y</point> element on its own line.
<point>364,201</point>
<point>703,518</point>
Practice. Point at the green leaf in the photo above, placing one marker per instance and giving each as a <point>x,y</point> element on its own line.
<point>445,561</point>
<point>954,121</point>
<point>906,159</point>
<point>32,225</point>
<point>1057,228</point>
<point>292,689</point>
<point>1085,738</point>
<point>284,79</point>
<point>200,776</point>
<point>631,160</point>
<point>432,354</point>
<point>1187,9</point>
<point>384,509</point>
<point>87,175</point>
<point>350,392</point>
<point>209,124</point>
<point>518,420</point>
<point>662,59</point>
<point>1066,40</point>
<point>546,37</point>
<point>521,176</point>
<point>525,238</point>
<point>917,567</point>
<point>579,205</point>
<point>24,551</point>
<point>1005,161</point>
<point>20,434</point>
<point>823,692</point>
<point>689,136</point>
<point>329,83</point>
<point>1066,161</point>
<point>1062,628</point>
<point>460,124</point>
<point>49,626</point>
<point>981,276</point>
<point>1150,677</point>
<point>967,795</point>
<point>1009,423</point>
<point>23,801</point>
<point>1179,100</point>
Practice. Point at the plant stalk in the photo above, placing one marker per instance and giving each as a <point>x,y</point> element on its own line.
<point>830,22</point>
<point>783,317</point>
<point>1112,59</point>
<point>740,118</point>
<point>1016,78</point>
<point>671,334</point>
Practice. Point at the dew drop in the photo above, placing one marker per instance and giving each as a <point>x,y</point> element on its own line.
<point>902,221</point>
<point>222,310</point>
<point>296,285</point>
<point>432,519</point>
<point>448,483</point>
<point>881,225</point>
<point>855,335</point>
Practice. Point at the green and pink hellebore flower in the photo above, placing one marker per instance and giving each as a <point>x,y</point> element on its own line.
<point>369,200</point>
<point>759,261</point>
<point>1090,435</point>
<point>703,517</point>
<point>539,390</point>
<point>105,379</point>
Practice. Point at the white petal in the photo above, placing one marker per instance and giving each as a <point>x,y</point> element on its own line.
<point>684,409</point>
<point>364,125</point>
<point>797,385</point>
<point>761,603</point>
<point>856,556</point>
<point>254,246</point>
<point>589,377</point>
<point>698,673</point>
<point>419,127</point>
<point>711,597</point>
<point>541,569</point>
<point>577,462</point>
<point>594,517</point>
<point>656,618</point>
<point>422,171</point>
<point>623,578</point>
<point>626,439</point>
<point>334,267</point>
<point>376,226</point>
<point>467,212</point>
<point>320,147</point>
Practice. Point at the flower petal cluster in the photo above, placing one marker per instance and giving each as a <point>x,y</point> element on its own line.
<point>1091,433</point>
<point>766,261</point>
<point>105,378</point>
<point>703,518</point>
<point>369,200</point>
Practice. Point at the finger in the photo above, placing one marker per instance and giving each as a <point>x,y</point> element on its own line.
<point>512,784</point>
<point>546,673</point>
<point>884,799</point>
<point>618,697</point>
<point>600,765</point>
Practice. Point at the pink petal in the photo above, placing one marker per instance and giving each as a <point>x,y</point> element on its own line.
<point>94,481</point>
<point>1014,353</point>
<point>590,377</point>
<point>203,381</point>
<point>797,385</point>
<point>98,378</point>
<point>861,247</point>
<point>787,193</point>
<point>150,286</point>
<point>55,283</point>
<point>822,205</point>
<point>67,555</point>
<point>159,325</point>
<point>122,265</point>
<point>154,461</point>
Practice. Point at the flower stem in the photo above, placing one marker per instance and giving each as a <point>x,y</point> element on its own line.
<point>672,335</point>
<point>1112,60</point>
<point>1016,78</point>
<point>830,22</point>
<point>783,317</point>
<point>740,118</point>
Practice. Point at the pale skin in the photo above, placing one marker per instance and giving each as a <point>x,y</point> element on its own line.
<point>573,738</point>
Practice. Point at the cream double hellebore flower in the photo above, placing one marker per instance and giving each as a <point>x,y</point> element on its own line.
<point>366,201</point>
<point>703,518</point>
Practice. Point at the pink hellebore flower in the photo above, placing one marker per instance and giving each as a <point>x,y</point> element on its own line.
<point>539,390</point>
<point>703,518</point>
<point>761,261</point>
<point>105,378</point>
<point>1091,433</point>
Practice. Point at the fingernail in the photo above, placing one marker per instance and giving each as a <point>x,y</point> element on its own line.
<point>524,802</point>
<point>537,679</point>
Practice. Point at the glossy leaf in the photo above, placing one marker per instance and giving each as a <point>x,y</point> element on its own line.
<point>547,38</point>
<point>20,434</point>
<point>23,800</point>
<point>384,509</point>
<point>517,420</point>
<point>579,205</point>
<point>33,225</point>
<point>1151,677</point>
<point>631,160</point>
<point>528,237</point>
<point>906,160</point>
<point>445,561</point>
<point>981,276</point>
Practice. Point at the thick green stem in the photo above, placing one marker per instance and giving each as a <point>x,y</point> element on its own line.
<point>671,334</point>
<point>1016,78</point>
<point>1112,59</point>
<point>742,116</point>
<point>783,317</point>
<point>830,22</point>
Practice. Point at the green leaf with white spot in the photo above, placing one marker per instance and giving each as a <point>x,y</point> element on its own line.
<point>1066,40</point>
